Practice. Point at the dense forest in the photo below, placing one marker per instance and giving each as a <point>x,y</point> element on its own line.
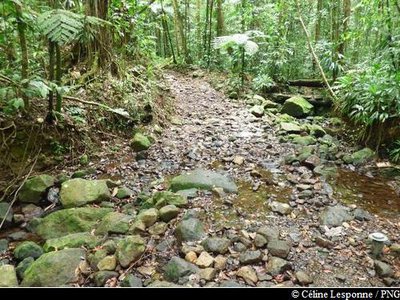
<point>217,143</point>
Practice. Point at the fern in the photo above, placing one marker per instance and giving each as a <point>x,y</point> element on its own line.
<point>63,26</point>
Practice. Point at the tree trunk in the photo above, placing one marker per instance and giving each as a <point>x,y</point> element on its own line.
<point>346,16</point>
<point>318,26</point>
<point>50,115</point>
<point>21,27</point>
<point>166,31</point>
<point>210,33</point>
<point>220,19</point>
<point>181,42</point>
<point>198,28</point>
<point>335,37</point>
<point>58,78</point>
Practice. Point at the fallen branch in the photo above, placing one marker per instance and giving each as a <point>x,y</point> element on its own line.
<point>117,111</point>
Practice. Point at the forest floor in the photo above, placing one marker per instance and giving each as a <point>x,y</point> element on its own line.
<point>290,223</point>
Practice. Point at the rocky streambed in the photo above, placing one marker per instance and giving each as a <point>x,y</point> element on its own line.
<point>231,193</point>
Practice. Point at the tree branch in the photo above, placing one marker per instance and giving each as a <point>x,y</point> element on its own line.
<point>145,8</point>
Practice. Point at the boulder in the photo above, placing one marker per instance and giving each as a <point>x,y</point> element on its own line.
<point>290,127</point>
<point>57,268</point>
<point>114,222</point>
<point>248,274</point>
<point>250,257</point>
<point>177,268</point>
<point>27,249</point>
<point>73,240</point>
<point>359,157</point>
<point>257,110</point>
<point>168,212</point>
<point>216,245</point>
<point>8,276</point>
<point>124,192</point>
<point>277,265</point>
<point>189,230</point>
<point>129,249</point>
<point>304,140</point>
<point>297,107</point>
<point>203,180</point>
<point>383,269</point>
<point>335,216</point>
<point>148,216</point>
<point>4,216</point>
<point>35,187</point>
<point>108,263</point>
<point>279,207</point>
<point>78,192</point>
<point>131,281</point>
<point>278,248</point>
<point>23,266</point>
<point>140,142</point>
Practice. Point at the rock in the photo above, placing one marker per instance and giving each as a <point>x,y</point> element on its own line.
<point>279,207</point>
<point>27,249</point>
<point>270,233</point>
<point>108,263</point>
<point>18,218</point>
<point>327,172</point>
<point>35,187</point>
<point>74,240</point>
<point>203,180</point>
<point>191,257</point>
<point>31,211</point>
<point>324,243</point>
<point>278,248</point>
<point>114,222</point>
<point>250,257</point>
<point>189,230</point>
<point>78,192</point>
<point>248,274</point>
<point>22,266</point>
<point>268,104</point>
<point>57,268</point>
<point>238,160</point>
<point>303,278</point>
<point>96,257</point>
<point>359,157</point>
<point>68,221</point>
<point>168,212</point>
<point>304,140</point>
<point>361,215</point>
<point>220,262</point>
<point>317,131</point>
<point>124,192</point>
<point>81,173</point>
<point>3,246</point>
<point>6,214</point>
<point>140,142</point>
<point>230,283</point>
<point>239,247</point>
<point>110,246</point>
<point>334,216</point>
<point>290,127</point>
<point>216,245</point>
<point>394,249</point>
<point>277,265</point>
<point>297,107</point>
<point>101,277</point>
<point>207,274</point>
<point>137,227</point>
<point>205,260</point>
<point>164,198</point>
<point>148,216</point>
<point>129,249</point>
<point>19,235</point>
<point>312,161</point>
<point>188,194</point>
<point>159,283</point>
<point>257,110</point>
<point>8,276</point>
<point>383,269</point>
<point>177,268</point>
<point>158,228</point>
<point>131,281</point>
<point>260,241</point>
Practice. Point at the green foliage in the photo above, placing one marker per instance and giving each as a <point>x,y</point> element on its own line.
<point>395,152</point>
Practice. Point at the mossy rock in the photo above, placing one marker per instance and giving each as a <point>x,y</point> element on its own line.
<point>297,107</point>
<point>140,142</point>
<point>34,188</point>
<point>74,240</point>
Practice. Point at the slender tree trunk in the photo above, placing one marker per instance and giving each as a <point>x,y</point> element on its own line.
<point>210,33</point>
<point>50,115</point>
<point>58,78</point>
<point>318,26</point>
<point>335,37</point>
<point>198,28</point>
<point>21,27</point>
<point>166,30</point>
<point>220,19</point>
<point>181,42</point>
<point>346,19</point>
<point>206,26</point>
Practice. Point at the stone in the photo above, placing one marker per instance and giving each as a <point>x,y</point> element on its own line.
<point>260,241</point>
<point>268,104</point>
<point>360,157</point>
<point>220,262</point>
<point>73,240</point>
<point>114,222</point>
<point>161,284</point>
<point>250,257</point>
<point>335,216</point>
<point>67,221</point>
<point>317,131</point>
<point>303,278</point>
<point>27,249</point>
<point>100,278</point>
<point>327,172</point>
<point>140,142</point>
<point>177,268</point>
<point>278,248</point>
<point>95,257</point>
<point>129,249</point>
<point>110,246</point>
<point>8,276</point>
<point>279,207</point>
<point>238,160</point>
<point>324,243</point>
<point>148,216</point>
<point>248,274</point>
<point>158,228</point>
<point>312,161</point>
<point>361,215</point>
<point>6,214</point>
<point>108,263</point>
<point>81,173</point>
<point>57,268</point>
<point>22,266</point>
<point>290,127</point>
<point>188,194</point>
<point>230,283</point>
<point>297,107</point>
<point>131,281</point>
<point>168,212</point>
<point>3,246</point>
<point>161,199</point>
<point>205,260</point>
<point>270,233</point>
<point>216,245</point>
<point>304,140</point>
<point>203,180</point>
<point>207,274</point>
<point>34,188</point>
<point>191,257</point>
<point>239,247</point>
<point>257,111</point>
<point>124,192</point>
<point>31,211</point>
<point>137,227</point>
<point>19,235</point>
<point>394,249</point>
<point>78,192</point>
<point>18,218</point>
<point>383,269</point>
<point>189,230</point>
<point>277,265</point>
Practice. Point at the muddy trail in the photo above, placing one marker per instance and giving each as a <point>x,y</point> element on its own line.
<point>298,214</point>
